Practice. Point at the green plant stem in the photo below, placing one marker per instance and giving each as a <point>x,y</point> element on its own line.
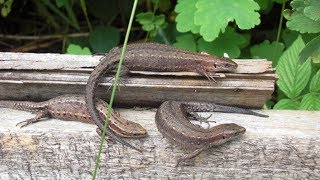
<point>279,30</point>
<point>114,88</point>
<point>280,22</point>
<point>84,10</point>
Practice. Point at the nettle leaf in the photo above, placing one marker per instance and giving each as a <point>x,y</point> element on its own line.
<point>76,49</point>
<point>186,41</point>
<point>214,15</point>
<point>185,17</point>
<point>293,77</point>
<point>102,38</point>
<point>315,83</point>
<point>310,101</point>
<point>312,9</point>
<point>228,42</point>
<point>269,51</point>
<point>287,104</point>
<point>297,19</point>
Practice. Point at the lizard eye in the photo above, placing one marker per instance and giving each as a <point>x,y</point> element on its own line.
<point>226,65</point>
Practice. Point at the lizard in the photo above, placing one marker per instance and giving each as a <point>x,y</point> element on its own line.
<point>71,107</point>
<point>153,57</point>
<point>172,121</point>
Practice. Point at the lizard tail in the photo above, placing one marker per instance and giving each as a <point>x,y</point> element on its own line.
<point>205,106</point>
<point>23,105</point>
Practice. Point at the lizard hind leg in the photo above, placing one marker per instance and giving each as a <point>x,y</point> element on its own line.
<point>196,117</point>
<point>39,115</point>
<point>190,155</point>
<point>124,71</point>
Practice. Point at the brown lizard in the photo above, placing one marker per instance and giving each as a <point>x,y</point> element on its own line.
<point>173,122</point>
<point>153,57</point>
<point>72,107</point>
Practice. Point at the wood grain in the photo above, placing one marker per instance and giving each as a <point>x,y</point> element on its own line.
<point>38,77</point>
<point>284,146</point>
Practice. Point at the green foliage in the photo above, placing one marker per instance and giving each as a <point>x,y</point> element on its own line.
<point>294,78</point>
<point>76,49</point>
<point>204,16</point>
<point>212,26</point>
<point>186,41</point>
<point>269,51</point>
<point>151,23</point>
<point>102,38</point>
<point>312,50</point>
<point>5,6</point>
<point>229,42</point>
<point>304,16</point>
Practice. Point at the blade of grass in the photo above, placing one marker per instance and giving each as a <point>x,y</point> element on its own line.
<point>114,88</point>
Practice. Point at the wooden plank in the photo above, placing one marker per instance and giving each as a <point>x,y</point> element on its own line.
<point>284,146</point>
<point>29,76</point>
<point>51,61</point>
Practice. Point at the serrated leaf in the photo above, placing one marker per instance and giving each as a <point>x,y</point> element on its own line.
<point>312,47</point>
<point>186,41</point>
<point>293,77</point>
<point>213,16</point>
<point>287,104</point>
<point>185,17</point>
<point>312,9</point>
<point>228,42</point>
<point>310,101</point>
<point>103,38</point>
<point>315,83</point>
<point>76,49</point>
<point>269,51</point>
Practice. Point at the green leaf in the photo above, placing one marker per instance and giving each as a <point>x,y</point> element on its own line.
<point>310,101</point>
<point>264,4</point>
<point>186,41</point>
<point>287,104</point>
<point>297,19</point>
<point>289,36</point>
<point>5,7</point>
<point>61,3</point>
<point>185,17</point>
<point>311,48</point>
<point>269,51</point>
<point>102,38</point>
<point>214,15</point>
<point>312,9</point>
<point>151,23</point>
<point>76,49</point>
<point>293,77</point>
<point>105,10</point>
<point>280,1</point>
<point>315,83</point>
<point>228,42</point>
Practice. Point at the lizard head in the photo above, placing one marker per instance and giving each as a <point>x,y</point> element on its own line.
<point>232,130</point>
<point>221,64</point>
